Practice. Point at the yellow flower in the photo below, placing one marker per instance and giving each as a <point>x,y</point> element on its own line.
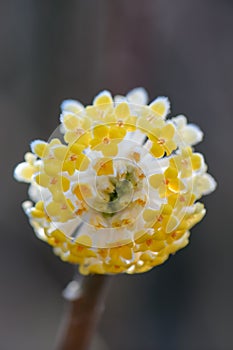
<point>168,182</point>
<point>162,140</point>
<point>186,134</point>
<point>187,162</point>
<point>117,192</point>
<point>25,170</point>
<point>106,138</point>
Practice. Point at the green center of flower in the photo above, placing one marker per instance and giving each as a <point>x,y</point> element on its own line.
<point>119,198</point>
<point>118,188</point>
<point>115,193</point>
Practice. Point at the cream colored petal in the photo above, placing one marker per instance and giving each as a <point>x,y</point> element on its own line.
<point>72,106</point>
<point>24,172</point>
<point>191,134</point>
<point>180,121</point>
<point>137,96</point>
<point>203,185</point>
<point>119,99</point>
<point>161,106</point>
<point>156,180</point>
<point>103,99</point>
<point>40,148</point>
<point>69,120</point>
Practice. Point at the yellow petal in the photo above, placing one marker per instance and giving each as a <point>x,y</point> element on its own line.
<point>170,146</point>
<point>42,179</point>
<point>60,152</point>
<point>52,167</point>
<point>54,142</point>
<point>156,246</point>
<point>157,150</point>
<point>171,173</point>
<point>69,166</point>
<point>168,131</point>
<point>82,162</point>
<point>84,240</point>
<point>40,205</point>
<point>71,106</point>
<point>84,139</point>
<point>24,172</point>
<point>196,161</point>
<point>40,148</point>
<point>117,132</point>
<point>141,236</point>
<point>156,180</point>
<point>166,209</point>
<point>110,149</point>
<point>65,183</point>
<point>175,185</point>
<point>95,142</point>
<point>37,213</point>
<point>53,209</point>
<point>122,110</point>
<point>100,131</point>
<point>82,191</point>
<point>92,112</point>
<point>104,166</point>
<point>149,214</point>
<point>130,123</point>
<point>172,224</point>
<point>70,136</point>
<point>77,148</point>
<point>160,106</point>
<point>103,100</point>
<point>70,121</point>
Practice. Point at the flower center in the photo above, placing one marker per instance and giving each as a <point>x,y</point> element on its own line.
<point>106,140</point>
<point>161,141</point>
<point>118,187</point>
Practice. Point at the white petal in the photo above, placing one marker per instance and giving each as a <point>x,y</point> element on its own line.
<point>30,158</point>
<point>27,205</point>
<point>35,143</point>
<point>191,134</point>
<point>37,193</point>
<point>161,106</point>
<point>209,184</point>
<point>72,106</point>
<point>138,96</point>
<point>102,94</point>
<point>22,172</point>
<point>34,192</point>
<point>119,99</point>
<point>180,121</point>
<point>203,185</point>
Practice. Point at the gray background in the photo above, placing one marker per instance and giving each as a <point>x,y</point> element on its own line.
<point>52,50</point>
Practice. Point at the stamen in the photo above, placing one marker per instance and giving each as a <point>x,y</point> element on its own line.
<point>161,141</point>
<point>106,140</point>
<point>136,156</point>
<point>73,157</point>
<point>53,181</point>
<point>160,218</point>
<point>120,123</point>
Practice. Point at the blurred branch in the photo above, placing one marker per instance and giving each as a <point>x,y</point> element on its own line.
<point>85,306</point>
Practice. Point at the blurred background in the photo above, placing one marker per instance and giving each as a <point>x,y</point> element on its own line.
<point>54,49</point>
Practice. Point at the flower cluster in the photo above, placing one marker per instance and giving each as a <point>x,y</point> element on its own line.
<point>117,191</point>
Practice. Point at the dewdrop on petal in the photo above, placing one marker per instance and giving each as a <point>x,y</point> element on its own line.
<point>118,191</point>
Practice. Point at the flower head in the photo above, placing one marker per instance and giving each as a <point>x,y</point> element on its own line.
<point>117,191</point>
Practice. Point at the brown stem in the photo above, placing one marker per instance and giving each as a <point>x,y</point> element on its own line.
<point>83,314</point>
